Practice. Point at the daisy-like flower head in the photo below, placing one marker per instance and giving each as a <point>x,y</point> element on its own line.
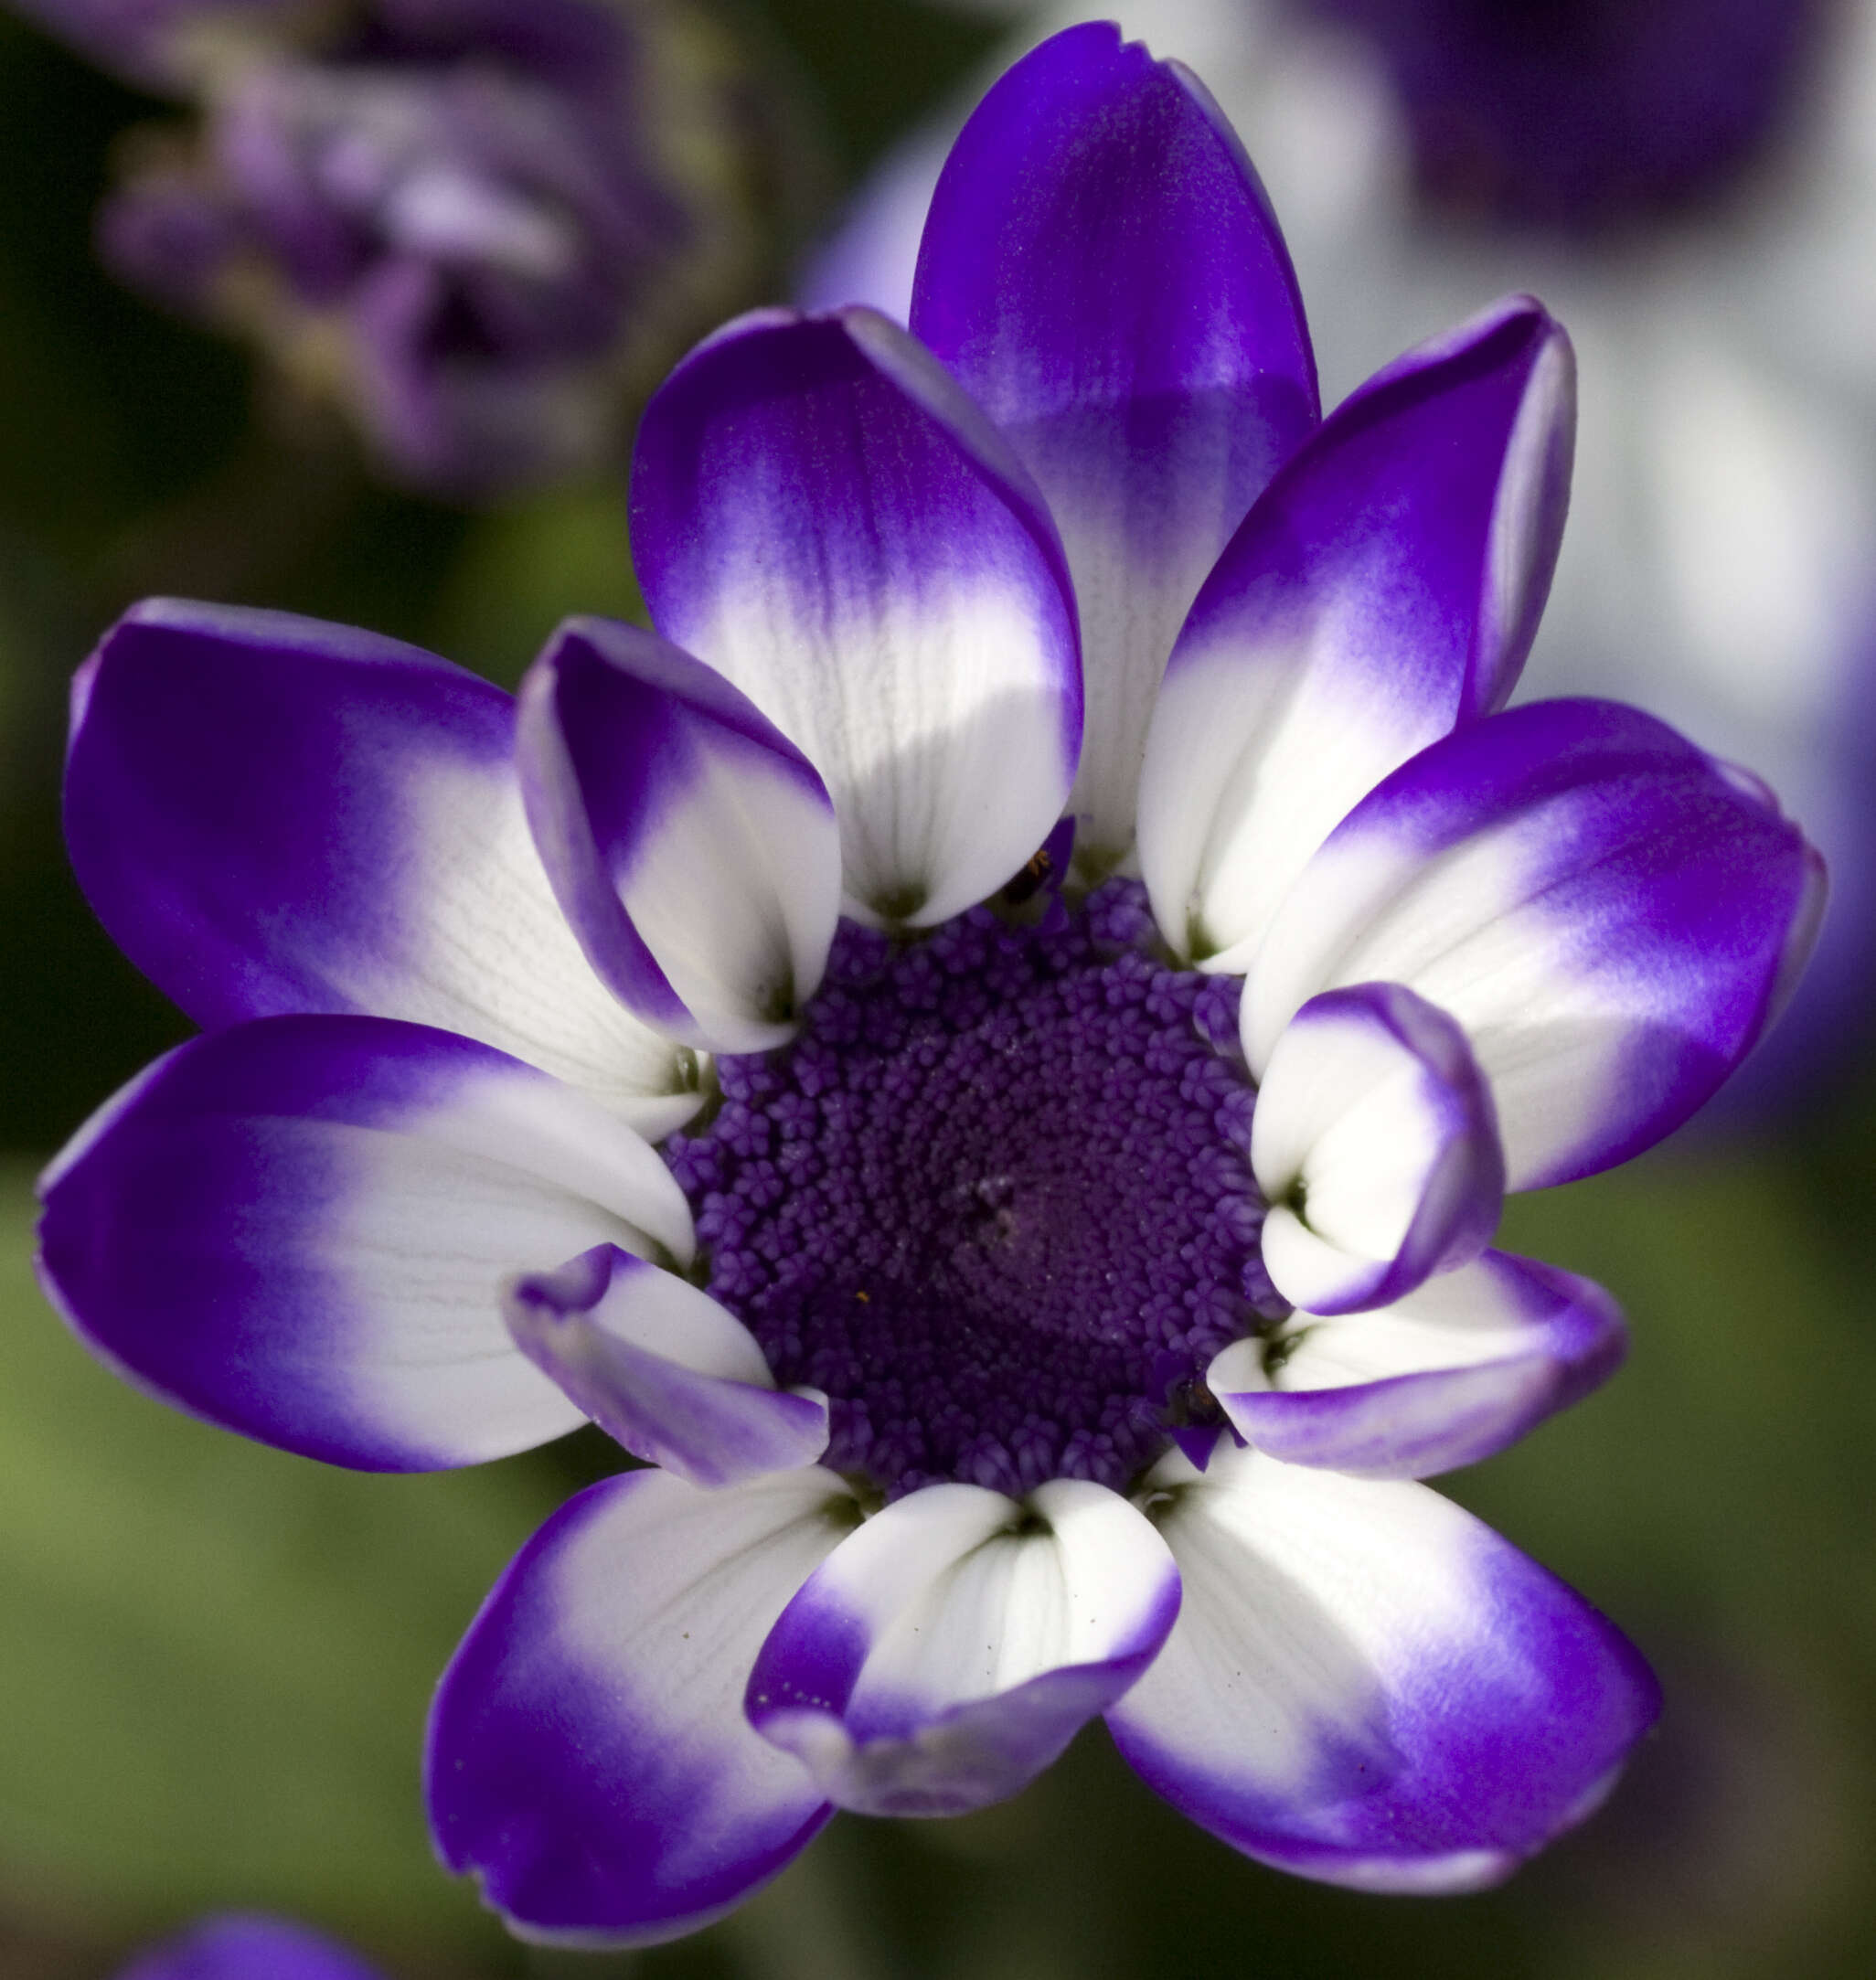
<point>987,1051</point>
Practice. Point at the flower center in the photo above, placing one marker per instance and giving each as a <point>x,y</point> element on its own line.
<point>995,1200</point>
<point>1582,114</point>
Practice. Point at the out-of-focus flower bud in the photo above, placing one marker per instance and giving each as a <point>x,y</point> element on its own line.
<point>248,1946</point>
<point>479,226</point>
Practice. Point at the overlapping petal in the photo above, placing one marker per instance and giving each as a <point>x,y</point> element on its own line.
<point>663,1368</point>
<point>1612,916</point>
<point>300,1228</point>
<point>1101,270</point>
<point>691,845</point>
<point>950,1649</point>
<point>1376,1146</point>
<point>588,1756</point>
<point>820,514</point>
<point>271,813</point>
<point>1385,587</point>
<point>1368,1687</point>
<point>1457,1369</point>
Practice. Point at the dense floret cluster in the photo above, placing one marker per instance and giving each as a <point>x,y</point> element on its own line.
<point>996,1202</point>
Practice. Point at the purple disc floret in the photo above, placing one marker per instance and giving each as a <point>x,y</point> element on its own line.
<point>996,1202</point>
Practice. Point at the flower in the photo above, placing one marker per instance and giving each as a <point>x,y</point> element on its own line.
<point>1007,1125</point>
<point>1692,188</point>
<point>243,1946</point>
<point>477,229</point>
<point>1580,116</point>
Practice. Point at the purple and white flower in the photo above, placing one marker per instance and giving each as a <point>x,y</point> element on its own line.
<point>478,228</point>
<point>987,1050</point>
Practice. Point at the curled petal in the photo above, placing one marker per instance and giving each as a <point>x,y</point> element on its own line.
<point>587,1760</point>
<point>300,1228</point>
<point>1384,588</point>
<point>950,1649</point>
<point>663,1368</point>
<point>271,815</point>
<point>691,845</point>
<point>1103,270</point>
<point>1368,1687</point>
<point>1613,917</point>
<point>821,514</point>
<point>1454,1371</point>
<point>1376,1146</point>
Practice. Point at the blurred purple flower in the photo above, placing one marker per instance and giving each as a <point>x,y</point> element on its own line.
<point>477,225</point>
<point>243,1946</point>
<point>1587,114</point>
<point>988,1052</point>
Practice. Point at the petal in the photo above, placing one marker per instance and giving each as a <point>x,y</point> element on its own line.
<point>271,813</point>
<point>822,516</point>
<point>1367,1686</point>
<point>663,1368</point>
<point>588,1758</point>
<point>691,845</point>
<point>1612,916</point>
<point>950,1649</point>
<point>254,1947</point>
<point>300,1228</point>
<point>1455,1371</point>
<point>1376,1147</point>
<point>1385,587</point>
<point>1103,270</point>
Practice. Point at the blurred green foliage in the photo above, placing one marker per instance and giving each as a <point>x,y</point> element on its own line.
<point>215,1657</point>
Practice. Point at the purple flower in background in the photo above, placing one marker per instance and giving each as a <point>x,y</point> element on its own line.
<point>1587,114</point>
<point>248,1947</point>
<point>987,1050</point>
<point>478,226</point>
